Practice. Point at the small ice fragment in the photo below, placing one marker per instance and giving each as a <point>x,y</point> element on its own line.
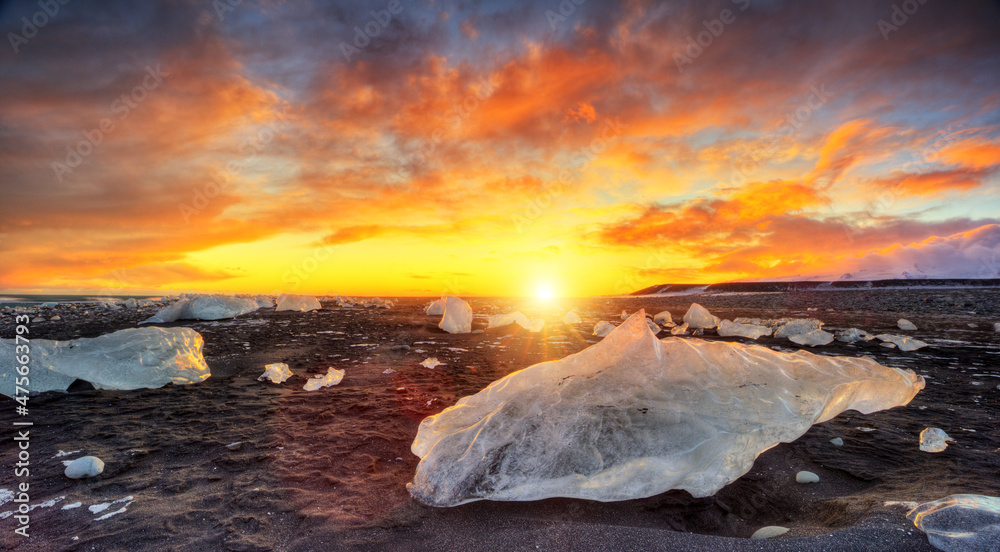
<point>960,523</point>
<point>87,466</point>
<point>730,329</point>
<point>71,506</point>
<point>996,327</point>
<point>852,335</point>
<point>769,532</point>
<point>806,477</point>
<point>300,303</point>
<point>332,377</point>
<point>653,326</point>
<point>602,329</point>
<point>277,372</point>
<point>572,318</point>
<point>906,325</point>
<point>798,327</point>
<point>933,439</point>
<point>813,338</point>
<point>904,343</point>
<point>388,371</point>
<point>837,442</point>
<point>624,315</point>
<point>431,363</point>
<point>662,318</point>
<point>698,316</point>
<point>679,330</point>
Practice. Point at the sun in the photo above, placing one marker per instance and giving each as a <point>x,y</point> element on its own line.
<point>544,292</point>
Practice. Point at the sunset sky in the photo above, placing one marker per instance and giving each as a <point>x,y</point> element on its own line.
<point>492,148</point>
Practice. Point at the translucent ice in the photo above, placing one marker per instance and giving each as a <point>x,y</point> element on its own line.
<point>813,338</point>
<point>535,325</point>
<point>653,326</point>
<point>633,416</point>
<point>679,330</point>
<point>905,343</point>
<point>572,318</point>
<point>906,325</point>
<point>662,318</point>
<point>431,363</point>
<point>204,307</point>
<point>300,303</point>
<point>933,439</point>
<point>435,308</point>
<point>332,377</point>
<point>135,358</point>
<point>457,316</point>
<point>698,316</point>
<point>277,372</point>
<point>602,329</point>
<point>852,335</point>
<point>960,523</point>
<point>727,329</point>
<point>798,326</point>
<point>500,320</point>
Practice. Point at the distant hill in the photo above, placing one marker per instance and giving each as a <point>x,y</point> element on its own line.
<point>744,287</point>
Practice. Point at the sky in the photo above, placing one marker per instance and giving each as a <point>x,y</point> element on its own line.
<point>406,147</point>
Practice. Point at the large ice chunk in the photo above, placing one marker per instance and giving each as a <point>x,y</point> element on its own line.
<point>728,329</point>
<point>300,303</point>
<point>500,320</point>
<point>663,318</point>
<point>960,523</point>
<point>633,416</point>
<point>698,316</point>
<point>205,307</point>
<point>135,358</point>
<point>457,316</point>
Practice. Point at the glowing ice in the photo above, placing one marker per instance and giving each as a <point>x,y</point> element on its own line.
<point>332,377</point>
<point>431,363</point>
<point>798,327</point>
<point>300,303</point>
<point>663,318</point>
<point>572,318</point>
<point>277,372</point>
<point>535,325</point>
<point>457,316</point>
<point>135,358</point>
<point>653,326</point>
<point>960,523</point>
<point>933,439</point>
<point>698,316</point>
<point>602,329</point>
<point>633,416</point>
<point>204,307</point>
<point>435,308</point>
<point>500,320</point>
<point>727,329</point>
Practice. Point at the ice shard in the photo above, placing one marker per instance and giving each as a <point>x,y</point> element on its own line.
<point>457,316</point>
<point>633,416</point>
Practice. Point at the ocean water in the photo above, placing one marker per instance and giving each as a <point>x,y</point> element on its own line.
<point>28,300</point>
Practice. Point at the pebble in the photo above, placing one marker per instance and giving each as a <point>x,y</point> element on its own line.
<point>769,532</point>
<point>806,477</point>
<point>87,466</point>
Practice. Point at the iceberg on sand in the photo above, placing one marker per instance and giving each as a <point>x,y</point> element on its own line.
<point>207,307</point>
<point>457,317</point>
<point>633,416</point>
<point>136,358</point>
<point>300,303</point>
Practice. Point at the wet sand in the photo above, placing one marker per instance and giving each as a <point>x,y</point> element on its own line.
<point>237,464</point>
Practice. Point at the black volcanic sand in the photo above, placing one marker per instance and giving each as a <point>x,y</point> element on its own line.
<point>237,464</point>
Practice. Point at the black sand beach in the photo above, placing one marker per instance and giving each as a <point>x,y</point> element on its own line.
<point>237,464</point>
